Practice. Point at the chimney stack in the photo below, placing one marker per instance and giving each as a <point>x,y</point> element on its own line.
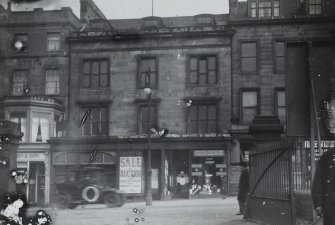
<point>9,6</point>
<point>233,8</point>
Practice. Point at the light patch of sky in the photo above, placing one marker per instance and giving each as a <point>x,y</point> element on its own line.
<point>125,9</point>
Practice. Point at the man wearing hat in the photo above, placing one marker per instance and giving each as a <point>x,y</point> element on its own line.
<point>243,187</point>
<point>323,188</point>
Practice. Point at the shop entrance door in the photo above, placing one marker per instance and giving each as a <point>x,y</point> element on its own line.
<point>36,185</point>
<point>180,167</point>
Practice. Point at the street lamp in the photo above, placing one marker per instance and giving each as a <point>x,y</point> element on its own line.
<point>148,192</point>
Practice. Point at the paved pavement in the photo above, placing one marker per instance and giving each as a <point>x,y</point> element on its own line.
<point>175,212</point>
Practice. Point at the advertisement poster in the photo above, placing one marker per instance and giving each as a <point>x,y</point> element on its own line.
<point>131,174</point>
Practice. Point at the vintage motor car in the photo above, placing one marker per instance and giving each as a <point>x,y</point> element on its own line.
<point>87,185</point>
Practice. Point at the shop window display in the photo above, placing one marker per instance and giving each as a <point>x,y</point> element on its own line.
<point>208,175</point>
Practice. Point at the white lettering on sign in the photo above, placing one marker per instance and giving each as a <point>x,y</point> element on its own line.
<point>131,174</point>
<point>196,173</point>
<point>30,156</point>
<point>196,165</point>
<point>220,165</point>
<point>324,144</point>
<point>221,173</point>
<point>208,153</point>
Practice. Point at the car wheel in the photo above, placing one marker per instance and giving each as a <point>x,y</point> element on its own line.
<point>112,200</point>
<point>64,200</point>
<point>91,194</point>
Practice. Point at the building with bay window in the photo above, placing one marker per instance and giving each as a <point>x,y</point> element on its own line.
<point>33,88</point>
<point>209,76</point>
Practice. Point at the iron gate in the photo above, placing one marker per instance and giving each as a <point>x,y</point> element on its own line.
<point>270,198</point>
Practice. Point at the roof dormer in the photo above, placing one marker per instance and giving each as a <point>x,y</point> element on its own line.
<point>205,19</point>
<point>152,22</point>
<point>99,25</point>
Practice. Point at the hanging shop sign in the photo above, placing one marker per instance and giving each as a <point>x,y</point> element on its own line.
<point>196,169</point>
<point>221,169</point>
<point>208,153</point>
<point>131,174</point>
<point>246,156</point>
<point>209,161</point>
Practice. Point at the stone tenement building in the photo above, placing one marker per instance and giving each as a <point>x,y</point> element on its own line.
<point>209,76</point>
<point>186,62</point>
<point>277,45</point>
<point>283,57</point>
<point>34,71</point>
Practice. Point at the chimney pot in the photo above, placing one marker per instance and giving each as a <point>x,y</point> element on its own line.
<point>9,6</point>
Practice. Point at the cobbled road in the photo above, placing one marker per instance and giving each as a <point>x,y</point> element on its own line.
<point>175,212</point>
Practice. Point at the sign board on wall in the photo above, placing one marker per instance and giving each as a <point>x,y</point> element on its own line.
<point>325,146</point>
<point>221,169</point>
<point>131,174</point>
<point>32,156</point>
<point>196,169</point>
<point>208,153</point>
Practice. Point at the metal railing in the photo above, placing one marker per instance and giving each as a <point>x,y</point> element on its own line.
<point>271,195</point>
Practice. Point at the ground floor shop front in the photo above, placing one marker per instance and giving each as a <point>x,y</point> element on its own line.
<point>181,167</point>
<point>33,164</point>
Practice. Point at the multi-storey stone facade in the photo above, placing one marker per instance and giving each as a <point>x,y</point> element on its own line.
<point>34,68</point>
<point>266,65</point>
<point>209,75</point>
<point>283,64</point>
<point>186,62</point>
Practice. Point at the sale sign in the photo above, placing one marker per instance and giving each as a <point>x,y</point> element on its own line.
<point>131,174</point>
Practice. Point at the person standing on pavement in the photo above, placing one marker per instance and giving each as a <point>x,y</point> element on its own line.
<point>243,188</point>
<point>323,187</point>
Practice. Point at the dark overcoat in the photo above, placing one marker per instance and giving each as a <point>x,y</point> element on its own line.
<point>243,185</point>
<point>323,187</point>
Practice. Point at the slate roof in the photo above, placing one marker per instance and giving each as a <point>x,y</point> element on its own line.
<point>179,21</point>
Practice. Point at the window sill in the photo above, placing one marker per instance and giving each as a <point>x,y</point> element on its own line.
<point>94,102</point>
<point>94,89</point>
<point>201,85</point>
<point>315,15</point>
<point>94,136</point>
<point>56,52</point>
<point>145,101</point>
<point>240,127</point>
<point>256,73</point>
<point>203,100</point>
<point>20,52</point>
<point>264,17</point>
<point>152,88</point>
